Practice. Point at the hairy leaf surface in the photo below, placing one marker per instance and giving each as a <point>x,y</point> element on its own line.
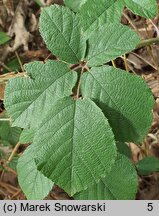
<point>27,99</point>
<point>33,183</point>
<point>75,144</point>
<point>125,99</point>
<point>61,31</point>
<point>109,42</point>
<point>120,183</point>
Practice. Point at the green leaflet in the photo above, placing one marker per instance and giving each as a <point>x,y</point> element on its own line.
<point>114,13</point>
<point>60,29</point>
<point>148,165</point>
<point>75,144</point>
<point>120,183</point>
<point>74,4</point>
<point>93,14</point>
<point>33,183</point>
<point>125,99</point>
<point>27,136</point>
<point>9,135</point>
<point>27,99</point>
<point>4,38</point>
<point>109,42</point>
<point>145,8</point>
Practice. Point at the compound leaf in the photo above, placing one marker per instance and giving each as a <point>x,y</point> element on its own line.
<point>74,4</point>
<point>148,165</point>
<point>27,99</point>
<point>145,8</point>
<point>120,183</point>
<point>109,42</point>
<point>125,99</point>
<point>75,144</point>
<point>60,29</point>
<point>33,183</point>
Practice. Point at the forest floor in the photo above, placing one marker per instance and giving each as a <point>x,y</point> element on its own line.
<point>20,18</point>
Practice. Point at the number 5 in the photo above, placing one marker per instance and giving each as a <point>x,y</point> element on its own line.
<point>150,206</point>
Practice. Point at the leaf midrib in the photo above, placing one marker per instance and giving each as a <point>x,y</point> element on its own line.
<point>103,11</point>
<point>70,47</point>
<point>41,93</point>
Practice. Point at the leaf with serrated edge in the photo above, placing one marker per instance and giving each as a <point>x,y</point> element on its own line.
<point>125,99</point>
<point>61,31</point>
<point>94,14</point>
<point>28,99</point>
<point>145,8</point>
<point>33,183</point>
<point>75,144</point>
<point>120,183</point>
<point>109,42</point>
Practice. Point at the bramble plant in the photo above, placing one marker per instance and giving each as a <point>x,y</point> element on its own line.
<point>78,112</point>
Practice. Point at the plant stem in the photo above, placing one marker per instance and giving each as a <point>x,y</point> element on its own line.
<point>113,63</point>
<point>20,63</point>
<point>7,76</point>
<point>148,42</point>
<point>13,152</point>
<point>131,23</point>
<point>4,119</point>
<point>78,87</point>
<point>125,63</point>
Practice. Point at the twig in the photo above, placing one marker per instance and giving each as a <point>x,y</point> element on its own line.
<point>11,189</point>
<point>20,63</point>
<point>6,77</point>
<point>5,66</point>
<point>9,169</point>
<point>113,63</point>
<point>16,194</point>
<point>143,59</point>
<point>131,23</point>
<point>147,42</point>
<point>5,119</point>
<point>13,152</point>
<point>125,63</point>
